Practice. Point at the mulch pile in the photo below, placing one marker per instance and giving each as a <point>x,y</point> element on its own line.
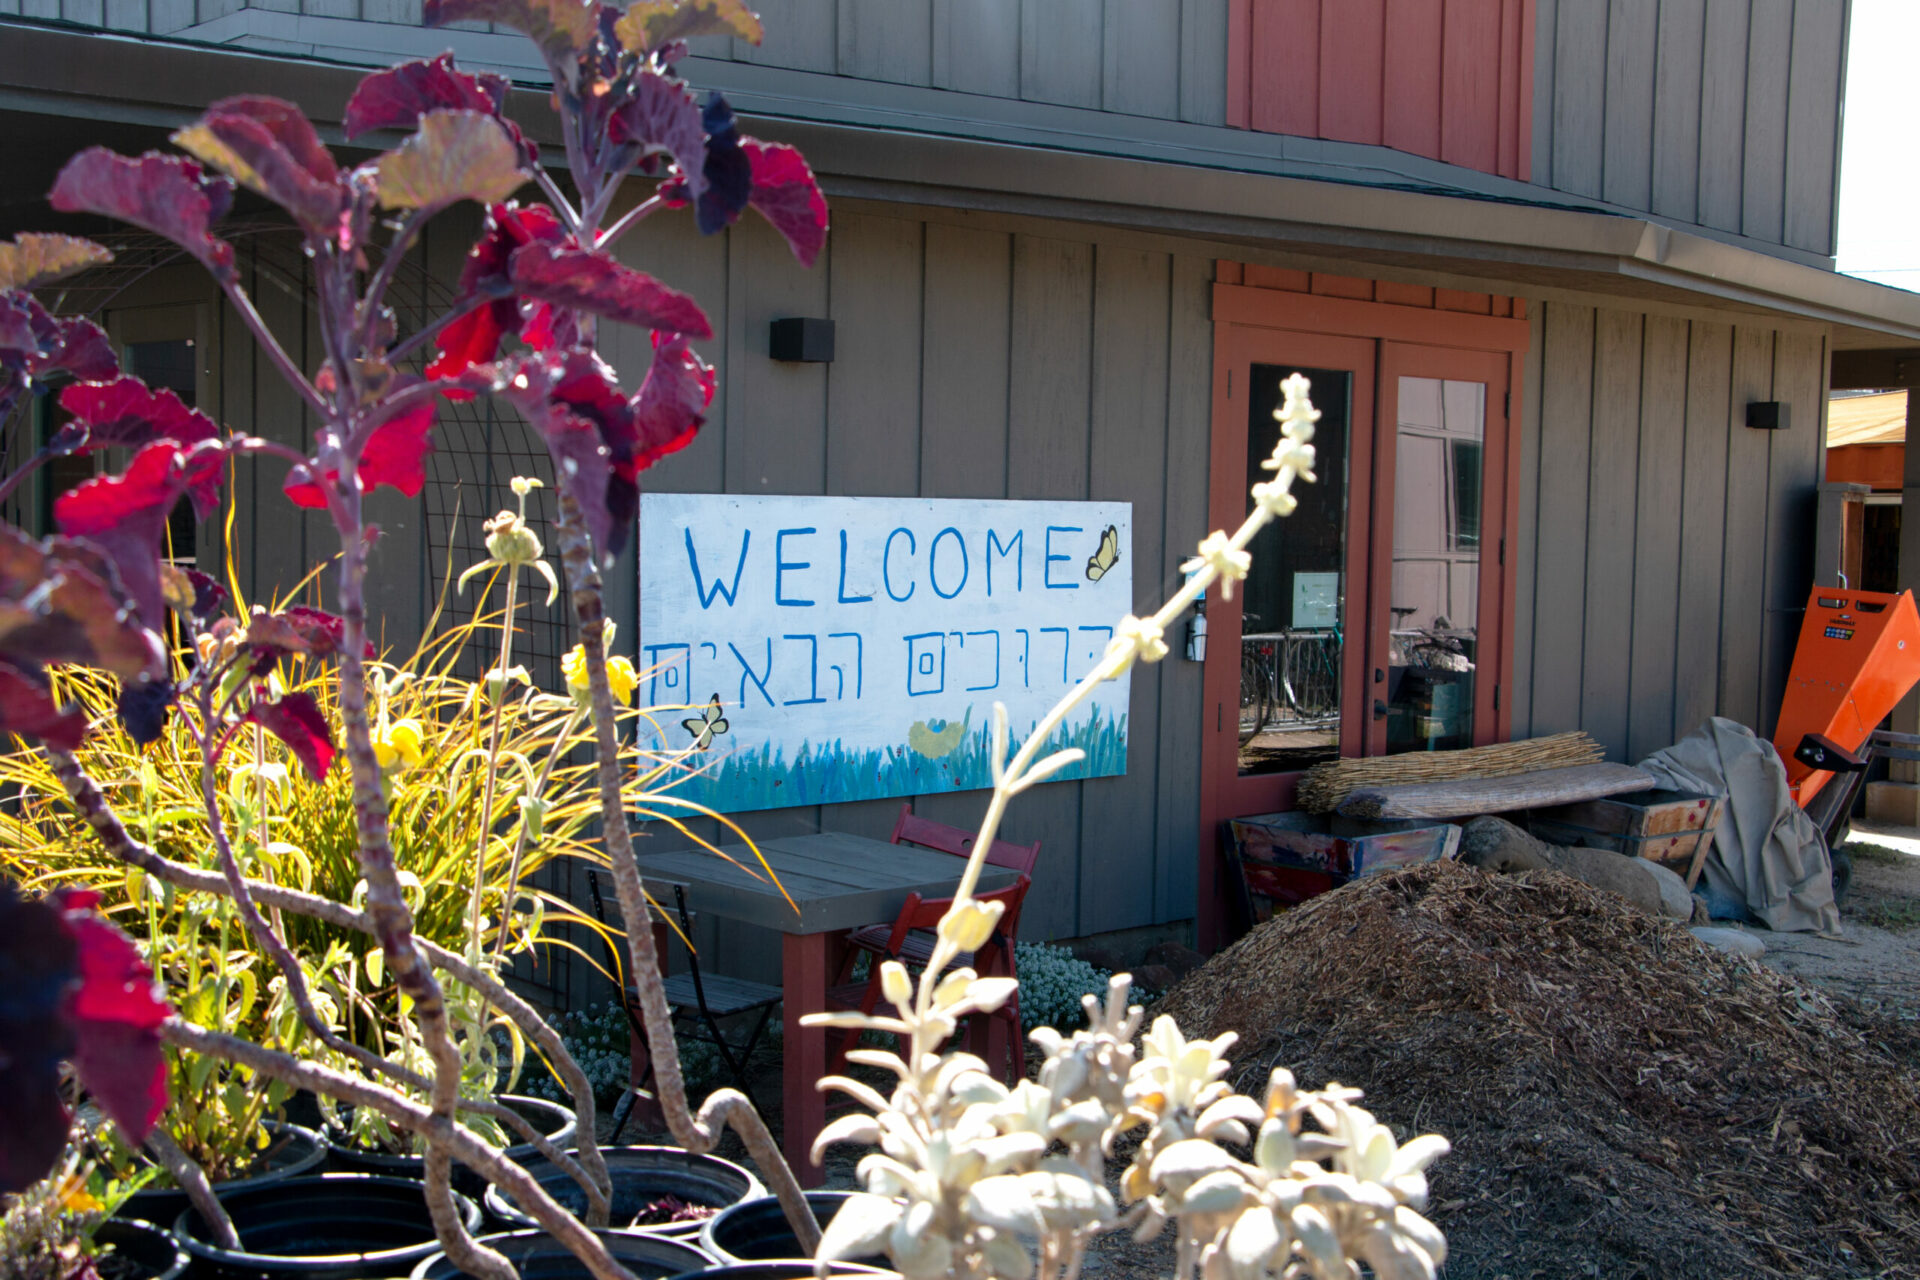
<point>1622,1101</point>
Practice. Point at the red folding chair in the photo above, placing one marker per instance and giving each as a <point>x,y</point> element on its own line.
<point>910,941</point>
<point>910,828</point>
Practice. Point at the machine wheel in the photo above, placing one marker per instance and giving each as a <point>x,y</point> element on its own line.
<point>1842,873</point>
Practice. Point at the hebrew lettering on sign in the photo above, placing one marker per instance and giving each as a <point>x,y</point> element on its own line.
<point>831,649</point>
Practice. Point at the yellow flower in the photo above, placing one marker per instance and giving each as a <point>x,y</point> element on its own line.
<point>620,675</point>
<point>400,743</point>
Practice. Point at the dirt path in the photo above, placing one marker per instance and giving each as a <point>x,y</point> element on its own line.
<point>1878,961</point>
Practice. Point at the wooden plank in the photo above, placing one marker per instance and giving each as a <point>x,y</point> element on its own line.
<point>1723,113</point>
<point>1656,537</point>
<point>1526,536</point>
<point>1743,563</point>
<point>1404,295</point>
<point>1607,645</point>
<point>1285,68</point>
<point>1566,421</point>
<point>889,40</point>
<point>976,46</point>
<point>1794,466</point>
<point>1479,304</point>
<point>1352,39</point>
<point>1177,801</point>
<point>1203,61</point>
<point>1703,503</point>
<point>1545,42</point>
<point>1470,85</point>
<point>776,439</point>
<point>1813,124</point>
<point>1050,383</point>
<point>800,35</point>
<point>1579,98</point>
<point>126,15</point>
<point>1137,75</point>
<point>1628,163</point>
<point>1130,331</point>
<point>1466,797</point>
<point>873,385</point>
<point>1516,96</point>
<point>963,358</point>
<point>1410,79</point>
<point>1328,286</point>
<point>1676,109</point>
<point>167,16</point>
<point>1764,172</point>
<point>402,12</point>
<point>1061,52</point>
<point>1279,278</point>
<point>86,13</point>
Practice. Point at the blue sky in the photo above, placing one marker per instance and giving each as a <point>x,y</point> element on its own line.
<point>1879,176</point>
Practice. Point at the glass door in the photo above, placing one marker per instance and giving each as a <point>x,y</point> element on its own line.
<point>1283,683</point>
<point>1436,581</point>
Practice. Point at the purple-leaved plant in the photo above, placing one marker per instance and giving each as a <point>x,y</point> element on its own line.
<point>522,326</point>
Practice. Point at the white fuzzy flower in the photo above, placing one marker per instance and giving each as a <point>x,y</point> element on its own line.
<point>1218,553</point>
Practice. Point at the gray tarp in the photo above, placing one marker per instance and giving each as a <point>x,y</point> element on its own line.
<point>1766,851</point>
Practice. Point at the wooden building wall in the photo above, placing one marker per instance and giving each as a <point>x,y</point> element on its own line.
<point>1666,548</point>
<point>976,362</point>
<point>1452,82</point>
<point>1723,113</point>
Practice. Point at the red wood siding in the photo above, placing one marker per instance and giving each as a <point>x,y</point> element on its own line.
<point>1451,80</point>
<point>1323,285</point>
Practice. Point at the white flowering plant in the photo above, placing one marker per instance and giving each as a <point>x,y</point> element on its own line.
<point>972,1179</point>
<point>1052,983</point>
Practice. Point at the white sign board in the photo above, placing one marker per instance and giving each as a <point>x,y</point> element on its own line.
<point>832,649</point>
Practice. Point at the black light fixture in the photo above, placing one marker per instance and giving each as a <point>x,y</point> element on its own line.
<point>1767,415</point>
<point>801,340</point>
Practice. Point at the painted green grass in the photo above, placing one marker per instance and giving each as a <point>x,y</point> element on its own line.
<point>834,773</point>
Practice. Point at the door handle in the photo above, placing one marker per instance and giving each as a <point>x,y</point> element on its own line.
<point>1379,709</point>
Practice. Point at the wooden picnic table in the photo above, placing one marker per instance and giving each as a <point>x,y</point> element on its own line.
<point>838,882</point>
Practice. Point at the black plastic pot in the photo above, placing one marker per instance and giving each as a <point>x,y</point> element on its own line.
<point>640,1176</point>
<point>790,1270</point>
<point>757,1231</point>
<point>152,1253</point>
<point>552,1119</point>
<point>291,1153</point>
<point>538,1256</point>
<point>337,1226</point>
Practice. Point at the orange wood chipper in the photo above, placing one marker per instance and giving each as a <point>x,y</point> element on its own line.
<point>1859,654</point>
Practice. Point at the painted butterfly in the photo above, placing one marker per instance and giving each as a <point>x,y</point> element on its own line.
<point>1106,557</point>
<point>708,726</point>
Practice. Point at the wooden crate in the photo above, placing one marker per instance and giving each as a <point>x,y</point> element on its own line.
<point>1672,828</point>
<point>1285,858</point>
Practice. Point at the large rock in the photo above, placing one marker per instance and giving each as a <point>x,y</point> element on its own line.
<point>1498,845</point>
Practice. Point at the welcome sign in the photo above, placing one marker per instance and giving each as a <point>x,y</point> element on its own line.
<point>833,649</point>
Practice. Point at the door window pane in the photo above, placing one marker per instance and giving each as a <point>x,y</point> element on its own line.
<point>1294,600</point>
<point>1436,564</point>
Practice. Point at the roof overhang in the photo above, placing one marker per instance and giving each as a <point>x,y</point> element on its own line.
<point>1483,240</point>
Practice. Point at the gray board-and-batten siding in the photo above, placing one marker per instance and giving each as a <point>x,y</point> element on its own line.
<point>1719,114</point>
<point>1662,544</point>
<point>1666,548</point>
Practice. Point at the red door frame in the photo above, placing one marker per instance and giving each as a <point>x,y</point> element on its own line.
<point>1380,341</point>
<point>1491,711</point>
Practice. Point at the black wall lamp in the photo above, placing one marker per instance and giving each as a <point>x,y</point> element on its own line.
<point>1767,415</point>
<point>801,340</point>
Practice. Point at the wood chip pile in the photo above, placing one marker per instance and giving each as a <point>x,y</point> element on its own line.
<point>1326,785</point>
<point>1622,1101</point>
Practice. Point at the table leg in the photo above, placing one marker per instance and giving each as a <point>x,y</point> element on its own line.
<point>805,958</point>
